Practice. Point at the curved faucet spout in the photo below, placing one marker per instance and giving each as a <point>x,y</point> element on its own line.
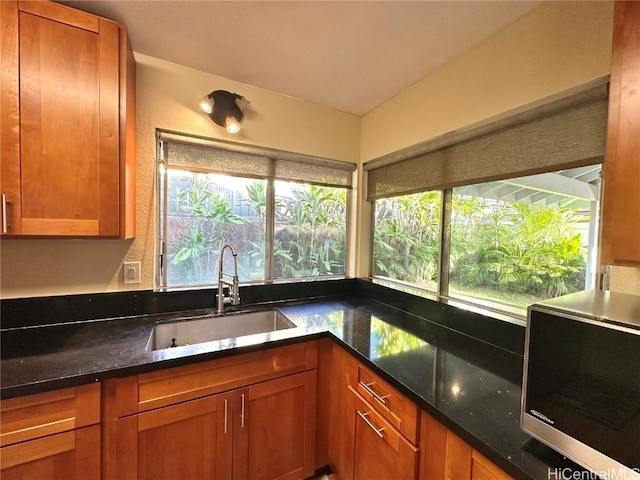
<point>234,288</point>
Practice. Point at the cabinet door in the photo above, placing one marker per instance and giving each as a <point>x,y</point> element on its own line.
<point>60,135</point>
<point>621,203</point>
<point>74,454</point>
<point>483,469</point>
<point>274,429</point>
<point>189,441</point>
<point>342,411</point>
<point>381,451</point>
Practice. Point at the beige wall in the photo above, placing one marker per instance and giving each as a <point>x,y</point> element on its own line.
<point>167,97</point>
<point>556,46</point>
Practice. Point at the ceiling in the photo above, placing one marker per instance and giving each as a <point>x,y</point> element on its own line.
<point>347,55</point>
<point>572,188</point>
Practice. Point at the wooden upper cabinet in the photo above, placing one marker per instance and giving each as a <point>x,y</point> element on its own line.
<point>68,123</point>
<point>621,203</point>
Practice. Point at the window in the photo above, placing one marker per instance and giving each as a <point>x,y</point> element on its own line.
<point>204,211</point>
<point>406,243</point>
<point>310,230</point>
<point>501,214</point>
<point>511,242</point>
<point>286,214</point>
<point>523,240</point>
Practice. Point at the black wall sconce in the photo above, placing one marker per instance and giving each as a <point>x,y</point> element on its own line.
<point>224,109</point>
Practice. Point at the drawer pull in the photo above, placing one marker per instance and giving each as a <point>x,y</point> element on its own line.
<point>367,387</point>
<point>242,411</point>
<point>225,415</point>
<point>368,422</point>
<point>4,213</point>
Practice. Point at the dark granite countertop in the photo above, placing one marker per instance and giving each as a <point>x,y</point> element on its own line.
<point>470,386</point>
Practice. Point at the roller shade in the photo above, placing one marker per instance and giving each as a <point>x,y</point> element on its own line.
<point>197,153</point>
<point>556,133</point>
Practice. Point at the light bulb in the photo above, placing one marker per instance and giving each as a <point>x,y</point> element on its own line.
<point>206,104</point>
<point>233,126</point>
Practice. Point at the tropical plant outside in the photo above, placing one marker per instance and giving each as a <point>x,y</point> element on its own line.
<point>213,209</point>
<point>311,228</point>
<point>406,238</point>
<point>526,250</point>
<point>509,252</point>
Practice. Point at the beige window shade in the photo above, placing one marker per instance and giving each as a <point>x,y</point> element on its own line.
<point>557,133</point>
<point>204,154</point>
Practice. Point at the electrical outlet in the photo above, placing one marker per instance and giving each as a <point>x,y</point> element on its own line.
<point>131,272</point>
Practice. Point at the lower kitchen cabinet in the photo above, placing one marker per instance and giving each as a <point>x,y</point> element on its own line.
<point>274,433</point>
<point>372,427</point>
<point>189,440</point>
<point>380,450</point>
<point>186,422</point>
<point>51,435</point>
<point>70,455</point>
<point>445,456</point>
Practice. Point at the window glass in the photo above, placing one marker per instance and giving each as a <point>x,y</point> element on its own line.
<point>310,230</point>
<point>406,242</point>
<point>510,243</point>
<point>205,210</point>
<point>522,240</point>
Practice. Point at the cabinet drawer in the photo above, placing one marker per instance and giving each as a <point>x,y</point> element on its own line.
<point>34,416</point>
<point>165,387</point>
<point>70,455</point>
<point>394,407</point>
<point>381,451</point>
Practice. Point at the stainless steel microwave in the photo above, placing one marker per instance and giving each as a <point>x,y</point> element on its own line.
<point>581,384</point>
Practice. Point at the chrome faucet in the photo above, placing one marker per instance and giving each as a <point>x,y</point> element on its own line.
<point>234,288</point>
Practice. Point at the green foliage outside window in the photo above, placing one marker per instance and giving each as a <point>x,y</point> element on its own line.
<point>310,226</point>
<point>511,252</point>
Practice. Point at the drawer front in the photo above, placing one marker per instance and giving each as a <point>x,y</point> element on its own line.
<point>165,387</point>
<point>394,407</point>
<point>69,455</point>
<point>381,451</point>
<point>34,416</point>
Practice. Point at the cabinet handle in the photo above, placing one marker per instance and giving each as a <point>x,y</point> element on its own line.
<point>242,411</point>
<point>367,387</point>
<point>4,213</point>
<point>368,422</point>
<point>225,415</point>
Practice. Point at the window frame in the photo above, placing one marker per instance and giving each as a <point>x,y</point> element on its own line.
<point>442,292</point>
<point>161,217</point>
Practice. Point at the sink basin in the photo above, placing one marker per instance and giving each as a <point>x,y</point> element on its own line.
<point>216,327</point>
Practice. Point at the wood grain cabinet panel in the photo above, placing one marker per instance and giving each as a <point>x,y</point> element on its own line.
<point>51,435</point>
<point>394,407</point>
<point>245,417</point>
<point>274,431</point>
<point>483,469</point>
<point>190,440</point>
<point>445,456</point>
<point>380,450</point>
<point>621,201</point>
<point>66,78</point>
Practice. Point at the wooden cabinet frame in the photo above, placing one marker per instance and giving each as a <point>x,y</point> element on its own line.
<point>67,163</point>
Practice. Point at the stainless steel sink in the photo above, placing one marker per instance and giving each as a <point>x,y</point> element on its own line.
<point>192,330</point>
